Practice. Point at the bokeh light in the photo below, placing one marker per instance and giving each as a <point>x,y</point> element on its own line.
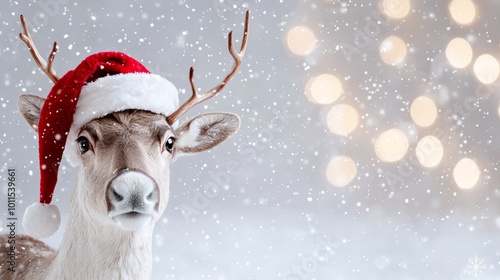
<point>301,40</point>
<point>396,8</point>
<point>459,53</point>
<point>391,145</point>
<point>342,119</point>
<point>429,151</point>
<point>423,111</point>
<point>323,89</point>
<point>341,171</point>
<point>463,11</point>
<point>392,50</point>
<point>486,68</point>
<point>466,173</point>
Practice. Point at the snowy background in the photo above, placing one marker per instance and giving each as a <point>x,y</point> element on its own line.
<point>279,216</point>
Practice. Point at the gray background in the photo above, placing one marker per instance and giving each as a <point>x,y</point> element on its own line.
<point>273,214</point>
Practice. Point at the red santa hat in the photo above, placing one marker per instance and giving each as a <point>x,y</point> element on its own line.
<point>103,83</point>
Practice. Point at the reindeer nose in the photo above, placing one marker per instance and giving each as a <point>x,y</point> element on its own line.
<point>133,191</point>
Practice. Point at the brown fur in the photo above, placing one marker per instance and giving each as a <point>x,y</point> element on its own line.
<point>32,257</point>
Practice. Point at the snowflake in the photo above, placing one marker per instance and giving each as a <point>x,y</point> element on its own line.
<point>475,266</point>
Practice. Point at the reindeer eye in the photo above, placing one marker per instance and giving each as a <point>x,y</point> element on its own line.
<point>170,144</point>
<point>83,144</point>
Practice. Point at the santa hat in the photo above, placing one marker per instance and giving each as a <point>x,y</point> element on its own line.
<point>103,83</point>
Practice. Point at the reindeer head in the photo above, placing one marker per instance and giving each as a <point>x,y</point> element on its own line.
<point>126,154</point>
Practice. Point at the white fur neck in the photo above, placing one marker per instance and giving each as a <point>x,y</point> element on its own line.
<point>93,251</point>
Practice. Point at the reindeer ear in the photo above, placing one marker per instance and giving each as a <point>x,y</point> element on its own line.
<point>205,132</point>
<point>30,106</point>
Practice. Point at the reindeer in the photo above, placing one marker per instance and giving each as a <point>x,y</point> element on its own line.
<point>123,187</point>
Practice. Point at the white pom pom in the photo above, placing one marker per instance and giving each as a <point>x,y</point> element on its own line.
<point>41,220</point>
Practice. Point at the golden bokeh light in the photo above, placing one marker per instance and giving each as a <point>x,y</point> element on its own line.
<point>341,171</point>
<point>429,151</point>
<point>459,53</point>
<point>396,8</point>
<point>466,173</point>
<point>423,111</point>
<point>486,68</point>
<point>391,145</point>
<point>301,40</point>
<point>324,89</point>
<point>392,50</point>
<point>342,119</point>
<point>463,11</point>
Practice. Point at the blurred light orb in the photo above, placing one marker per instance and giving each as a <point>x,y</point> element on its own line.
<point>463,11</point>
<point>466,173</point>
<point>324,89</point>
<point>429,151</point>
<point>341,171</point>
<point>342,119</point>
<point>391,145</point>
<point>392,50</point>
<point>396,8</point>
<point>459,53</point>
<point>423,111</point>
<point>486,68</point>
<point>301,40</point>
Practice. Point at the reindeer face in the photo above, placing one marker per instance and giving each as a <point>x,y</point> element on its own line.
<point>124,180</point>
<point>126,158</point>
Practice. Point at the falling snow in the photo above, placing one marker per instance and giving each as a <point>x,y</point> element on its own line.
<point>338,171</point>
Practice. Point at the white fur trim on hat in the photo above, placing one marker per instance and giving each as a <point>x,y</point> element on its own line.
<point>141,91</point>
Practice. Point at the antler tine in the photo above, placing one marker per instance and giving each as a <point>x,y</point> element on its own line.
<point>199,98</point>
<point>44,66</point>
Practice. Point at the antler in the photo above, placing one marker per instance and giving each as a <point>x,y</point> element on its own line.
<point>46,67</point>
<point>197,98</point>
